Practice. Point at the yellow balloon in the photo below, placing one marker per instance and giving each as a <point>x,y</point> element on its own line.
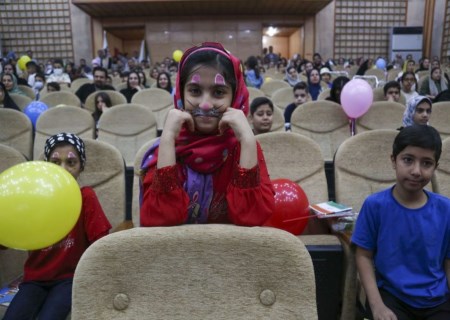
<point>177,54</point>
<point>40,203</point>
<point>22,62</point>
<point>268,79</point>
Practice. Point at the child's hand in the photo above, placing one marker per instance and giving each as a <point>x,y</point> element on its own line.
<point>383,313</point>
<point>236,120</point>
<point>175,121</point>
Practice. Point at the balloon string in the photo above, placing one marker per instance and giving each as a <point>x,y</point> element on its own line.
<point>300,218</point>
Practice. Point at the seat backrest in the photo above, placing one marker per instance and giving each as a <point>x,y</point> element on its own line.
<point>57,98</point>
<point>20,100</point>
<point>135,206</point>
<point>441,178</point>
<point>121,86</point>
<point>28,91</point>
<point>62,119</point>
<point>254,93</point>
<point>283,97</point>
<point>195,272</point>
<point>16,130</point>
<point>115,96</point>
<point>362,166</point>
<point>440,118</point>
<point>127,127</point>
<point>297,158</point>
<point>377,73</point>
<point>269,87</point>
<point>11,261</point>
<point>324,94</point>
<point>77,83</point>
<point>324,121</point>
<point>381,115</point>
<point>158,100</point>
<point>378,95</point>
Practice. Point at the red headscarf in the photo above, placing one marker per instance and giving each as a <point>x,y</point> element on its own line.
<point>205,153</point>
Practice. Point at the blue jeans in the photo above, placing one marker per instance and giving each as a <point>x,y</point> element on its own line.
<point>46,300</point>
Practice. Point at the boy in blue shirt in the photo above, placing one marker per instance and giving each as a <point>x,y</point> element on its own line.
<point>402,236</point>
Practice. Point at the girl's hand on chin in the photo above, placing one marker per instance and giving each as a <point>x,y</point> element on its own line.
<point>175,121</point>
<point>236,120</point>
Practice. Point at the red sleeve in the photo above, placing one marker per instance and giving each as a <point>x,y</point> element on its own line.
<point>96,225</point>
<point>250,194</point>
<point>165,202</point>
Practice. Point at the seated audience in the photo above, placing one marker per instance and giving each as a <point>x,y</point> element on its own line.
<point>164,82</point>
<point>133,85</point>
<point>301,95</point>
<point>5,100</point>
<point>417,112</point>
<point>261,114</point>
<point>53,87</point>
<point>336,89</point>
<point>292,76</point>
<point>86,89</point>
<point>253,78</point>
<point>392,91</point>
<point>408,83</point>
<point>433,84</point>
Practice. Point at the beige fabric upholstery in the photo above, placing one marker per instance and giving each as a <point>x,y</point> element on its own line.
<point>324,94</point>
<point>115,96</point>
<point>158,100</point>
<point>323,121</point>
<point>62,119</point>
<point>20,100</point>
<point>298,158</point>
<point>127,127</point>
<point>105,173</point>
<point>195,272</point>
<point>376,72</point>
<point>440,118</point>
<point>269,87</point>
<point>135,207</point>
<point>16,131</point>
<point>283,97</point>
<point>441,178</point>
<point>362,166</point>
<point>77,83</point>
<point>381,115</point>
<point>378,95</point>
<point>254,93</point>
<point>120,86</point>
<point>28,91</point>
<point>57,98</point>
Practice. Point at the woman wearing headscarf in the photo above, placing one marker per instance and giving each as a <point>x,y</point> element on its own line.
<point>292,76</point>
<point>5,99</point>
<point>10,82</point>
<point>433,84</point>
<point>314,85</point>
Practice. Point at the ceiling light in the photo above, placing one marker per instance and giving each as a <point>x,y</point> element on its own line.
<point>271,31</point>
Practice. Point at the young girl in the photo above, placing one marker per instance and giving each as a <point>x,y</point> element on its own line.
<point>207,166</point>
<point>261,114</point>
<point>46,290</point>
<point>163,82</point>
<point>5,100</point>
<point>253,76</point>
<point>102,103</point>
<point>418,111</point>
<point>409,85</point>
<point>133,85</point>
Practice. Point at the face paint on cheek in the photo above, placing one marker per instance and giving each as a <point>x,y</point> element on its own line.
<point>219,80</point>
<point>195,78</point>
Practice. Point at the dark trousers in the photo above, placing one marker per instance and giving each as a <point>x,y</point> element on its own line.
<point>404,311</point>
<point>46,300</point>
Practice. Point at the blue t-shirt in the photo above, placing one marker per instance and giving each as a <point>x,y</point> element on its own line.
<point>409,246</point>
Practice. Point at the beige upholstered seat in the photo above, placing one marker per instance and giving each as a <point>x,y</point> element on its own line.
<point>115,96</point>
<point>62,119</point>
<point>298,158</point>
<point>440,118</point>
<point>283,97</point>
<point>324,94</point>
<point>362,166</point>
<point>77,83</point>
<point>127,127</point>
<point>120,86</point>
<point>381,115</point>
<point>11,261</point>
<point>269,87</point>
<point>393,74</point>
<point>28,91</point>
<point>135,206</point>
<point>378,95</point>
<point>377,73</point>
<point>58,98</point>
<point>16,131</point>
<point>158,100</point>
<point>323,121</point>
<point>441,178</point>
<point>254,93</point>
<point>195,272</point>
<point>20,100</point>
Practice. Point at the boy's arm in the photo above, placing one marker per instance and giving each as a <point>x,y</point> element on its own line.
<point>364,263</point>
<point>447,270</point>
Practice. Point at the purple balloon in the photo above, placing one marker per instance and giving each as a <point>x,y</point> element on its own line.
<point>356,98</point>
<point>34,110</point>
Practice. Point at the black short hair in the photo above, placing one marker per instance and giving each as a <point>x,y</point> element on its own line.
<point>302,85</point>
<point>259,101</point>
<point>421,136</point>
<point>391,84</point>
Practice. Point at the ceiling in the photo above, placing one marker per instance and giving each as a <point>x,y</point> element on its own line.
<point>136,8</point>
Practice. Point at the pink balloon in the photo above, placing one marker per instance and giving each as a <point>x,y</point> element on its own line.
<point>356,98</point>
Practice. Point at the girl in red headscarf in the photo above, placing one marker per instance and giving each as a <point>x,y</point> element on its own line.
<point>207,167</point>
